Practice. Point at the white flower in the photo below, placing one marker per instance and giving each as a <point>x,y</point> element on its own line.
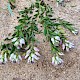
<point>75,32</point>
<point>5,58</point>
<point>12,57</point>
<point>53,41</point>
<point>27,47</point>
<point>14,39</point>
<point>56,60</point>
<point>1,58</point>
<point>16,43</point>
<point>57,38</point>
<point>15,58</point>
<point>27,53</point>
<point>67,49</point>
<point>67,41</point>
<point>56,43</point>
<point>37,54</point>
<point>18,47</point>
<point>19,57</point>
<point>33,60</point>
<point>53,60</point>
<point>67,44</point>
<point>36,49</point>
<point>60,53</point>
<point>63,46</point>
<point>59,60</point>
<point>22,41</point>
<point>29,59</point>
<point>34,56</point>
<point>71,45</point>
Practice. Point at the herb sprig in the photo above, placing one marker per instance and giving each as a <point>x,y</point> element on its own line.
<point>22,43</point>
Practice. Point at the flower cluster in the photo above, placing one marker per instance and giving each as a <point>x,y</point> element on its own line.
<point>75,32</point>
<point>15,58</point>
<point>67,45</point>
<point>18,42</point>
<point>32,55</point>
<point>56,60</point>
<point>56,40</point>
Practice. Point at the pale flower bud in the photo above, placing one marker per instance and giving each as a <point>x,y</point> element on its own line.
<point>53,41</point>
<point>22,41</point>
<point>15,58</point>
<point>53,60</point>
<point>57,38</point>
<point>29,60</point>
<point>1,59</point>
<point>63,46</point>
<point>61,53</point>
<point>34,56</point>
<point>71,45</point>
<point>14,39</point>
<point>56,60</point>
<point>33,60</point>
<point>67,45</point>
<point>75,32</point>
<point>27,53</point>
<point>5,58</point>
<point>67,49</point>
<point>59,60</point>
<point>16,43</point>
<point>36,49</point>
<point>37,54</point>
<point>20,58</point>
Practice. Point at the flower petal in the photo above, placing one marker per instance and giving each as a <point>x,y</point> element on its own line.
<point>37,54</point>
<point>22,41</point>
<point>16,43</point>
<point>36,49</point>
<point>27,53</point>
<point>57,38</point>
<point>53,41</point>
<point>14,39</point>
<point>34,56</point>
<point>63,46</point>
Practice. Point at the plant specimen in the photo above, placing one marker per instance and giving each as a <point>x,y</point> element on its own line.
<point>22,43</point>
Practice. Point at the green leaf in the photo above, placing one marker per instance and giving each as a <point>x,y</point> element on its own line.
<point>36,15</point>
<point>37,5</point>
<point>45,31</point>
<point>36,28</point>
<point>13,49</point>
<point>12,1</point>
<point>21,34</point>
<point>21,12</point>
<point>42,9</point>
<point>3,47</point>
<point>18,27</point>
